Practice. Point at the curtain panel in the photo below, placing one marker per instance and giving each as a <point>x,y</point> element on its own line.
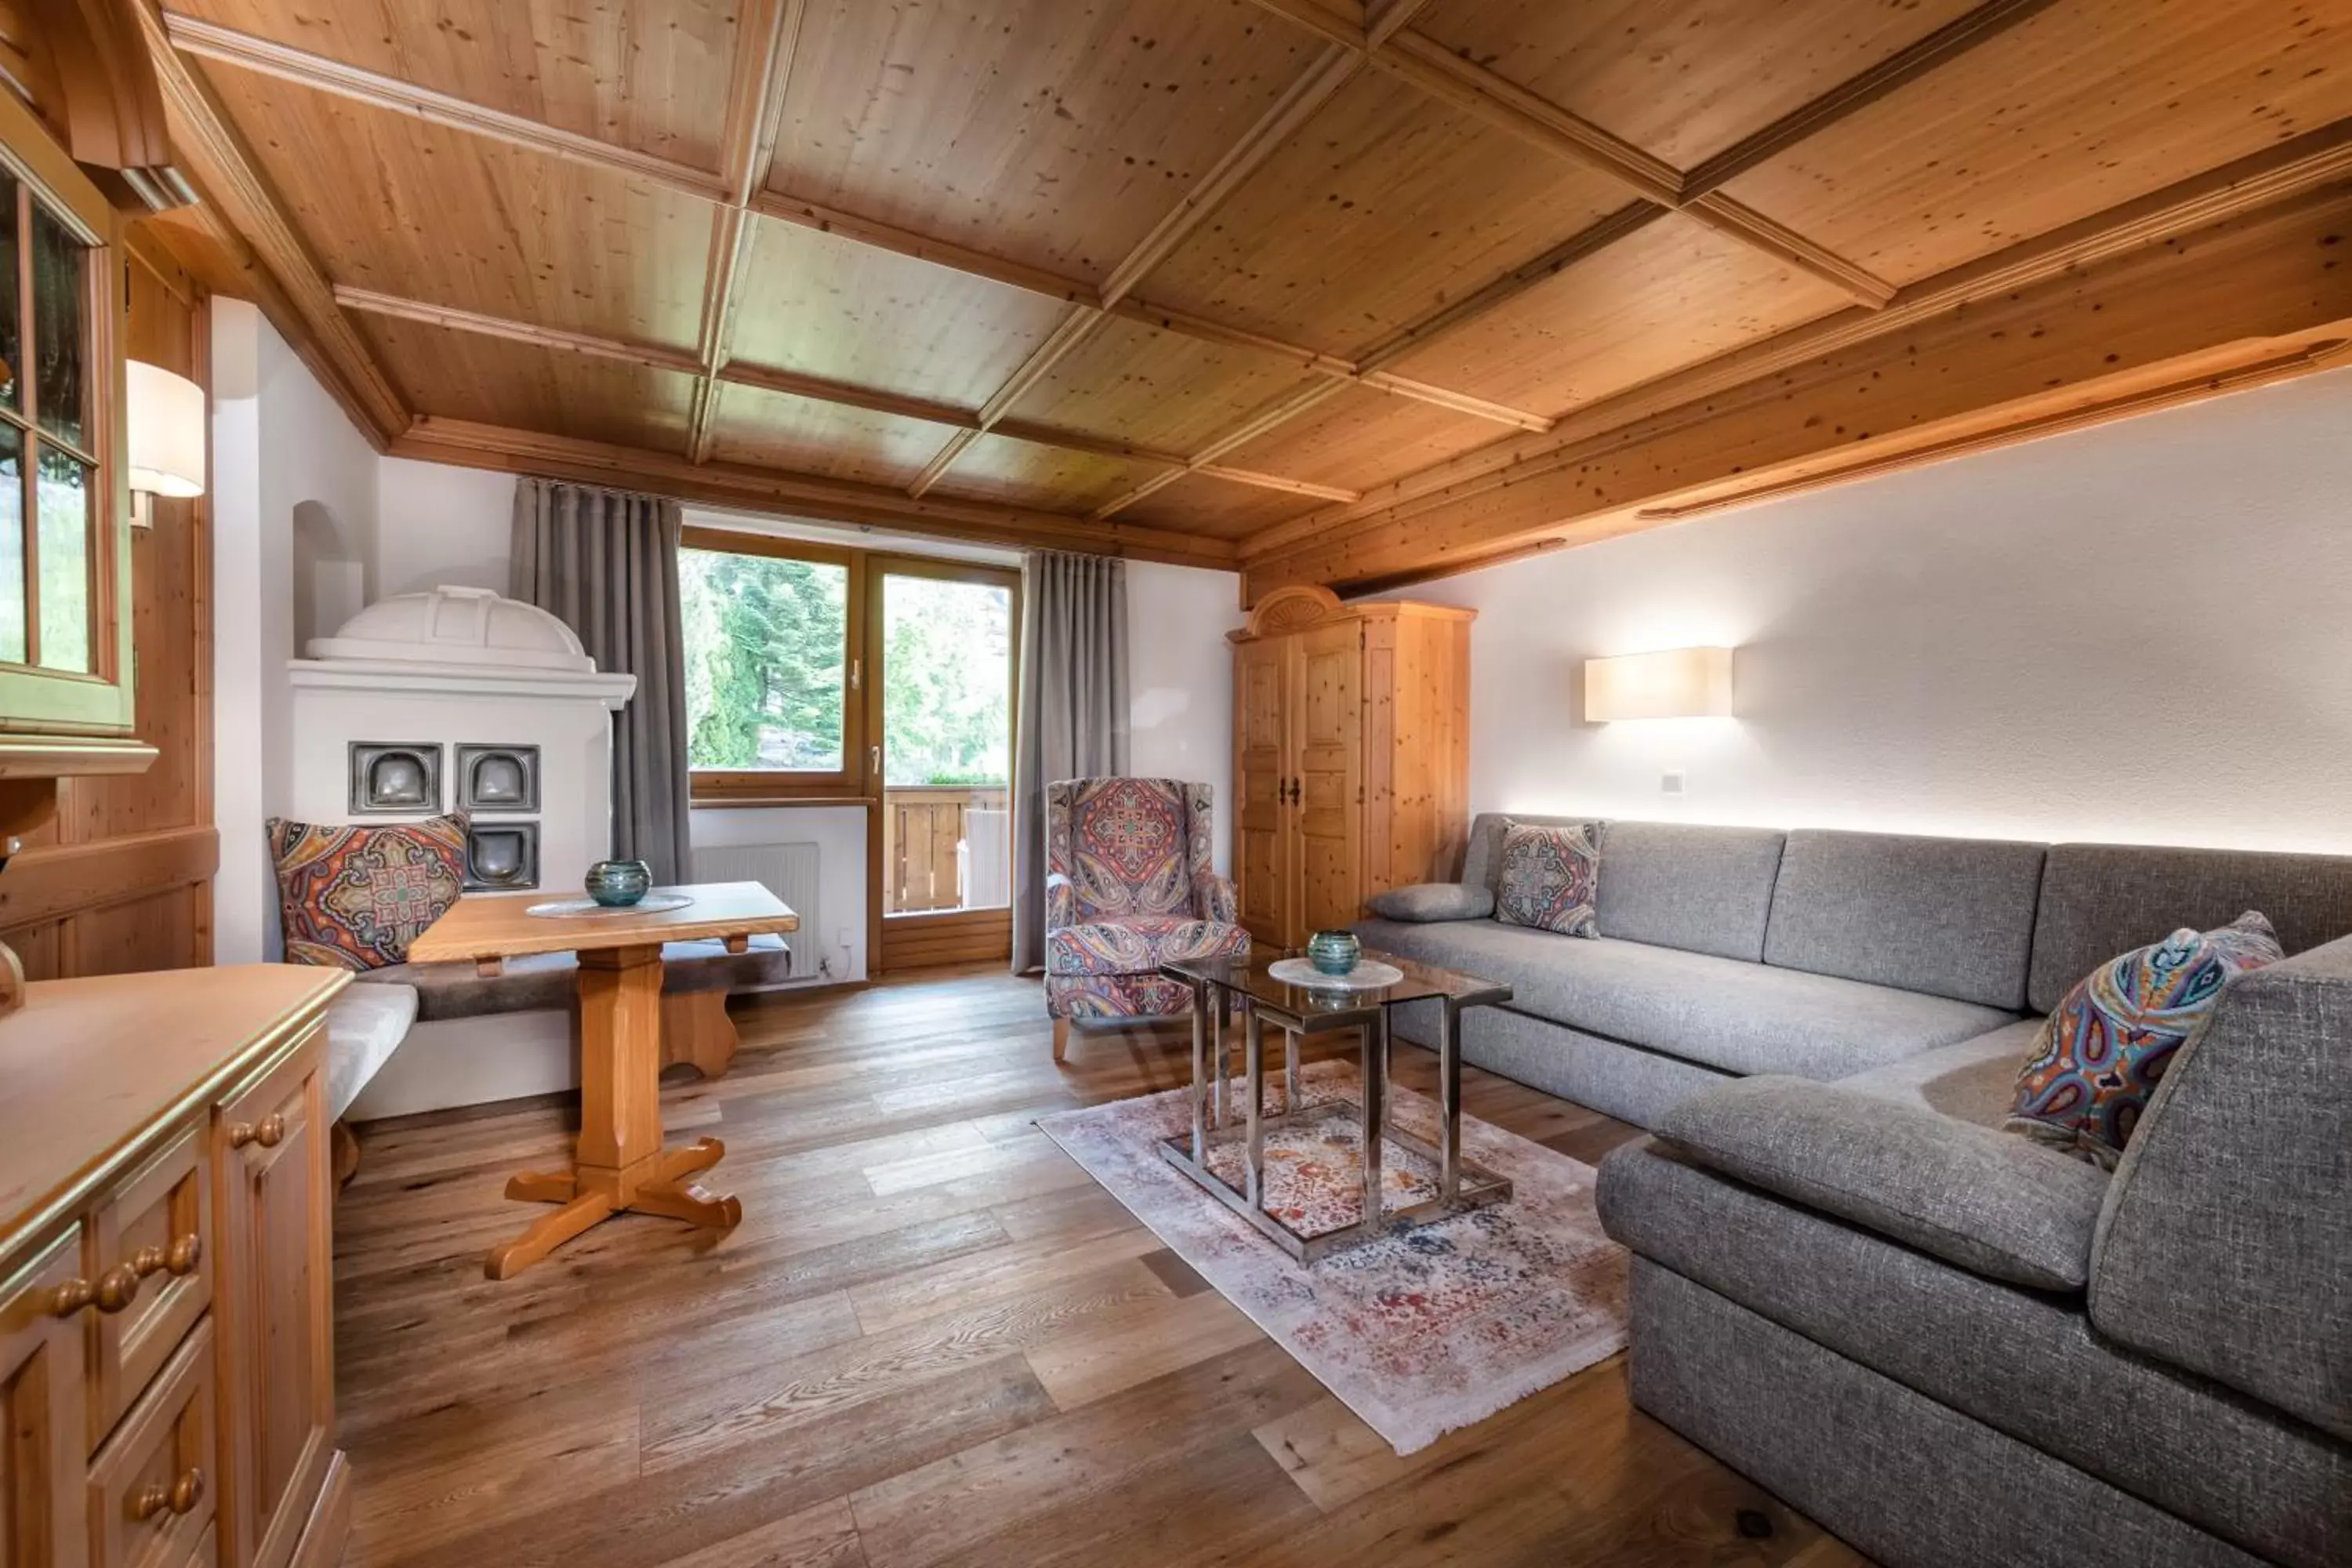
<point>1072,722</point>
<point>605,563</point>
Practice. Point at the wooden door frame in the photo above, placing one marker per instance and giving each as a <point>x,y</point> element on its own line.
<point>949,935</point>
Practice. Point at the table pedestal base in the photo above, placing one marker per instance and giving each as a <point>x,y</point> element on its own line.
<point>589,1196</point>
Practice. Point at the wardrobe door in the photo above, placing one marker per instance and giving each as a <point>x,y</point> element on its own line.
<point>1328,730</point>
<point>1261,788</point>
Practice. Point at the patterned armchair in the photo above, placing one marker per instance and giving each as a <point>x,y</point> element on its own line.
<point>1129,887</point>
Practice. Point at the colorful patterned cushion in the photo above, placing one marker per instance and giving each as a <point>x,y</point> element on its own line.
<point>357,896</point>
<point>1139,944</point>
<point>1549,878</point>
<point>1129,847</point>
<point>2103,1052</point>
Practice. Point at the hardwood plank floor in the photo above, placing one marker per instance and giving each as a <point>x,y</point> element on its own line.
<point>933,1340</point>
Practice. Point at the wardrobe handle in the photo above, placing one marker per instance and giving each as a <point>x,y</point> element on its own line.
<point>269,1134</point>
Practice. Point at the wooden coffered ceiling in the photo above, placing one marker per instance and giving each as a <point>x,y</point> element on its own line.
<point>1327,292</point>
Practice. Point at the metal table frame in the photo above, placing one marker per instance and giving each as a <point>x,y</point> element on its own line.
<point>1463,1184</point>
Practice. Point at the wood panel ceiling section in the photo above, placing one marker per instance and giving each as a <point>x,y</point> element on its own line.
<point>1277,281</point>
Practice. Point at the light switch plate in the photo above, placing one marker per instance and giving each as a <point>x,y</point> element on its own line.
<point>1672,783</point>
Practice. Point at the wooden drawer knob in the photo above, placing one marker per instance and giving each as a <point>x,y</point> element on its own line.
<point>180,1496</point>
<point>117,1288</point>
<point>178,1260</point>
<point>269,1131</point>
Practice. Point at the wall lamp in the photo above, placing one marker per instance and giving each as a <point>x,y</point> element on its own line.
<point>166,416</point>
<point>1678,683</point>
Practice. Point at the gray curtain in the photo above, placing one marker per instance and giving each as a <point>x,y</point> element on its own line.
<point>605,563</point>
<point>1073,721</point>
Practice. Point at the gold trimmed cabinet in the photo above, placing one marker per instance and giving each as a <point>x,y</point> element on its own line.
<point>167,1391</point>
<point>1351,755</point>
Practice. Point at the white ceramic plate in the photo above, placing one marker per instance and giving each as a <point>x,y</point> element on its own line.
<point>571,909</point>
<point>1370,974</point>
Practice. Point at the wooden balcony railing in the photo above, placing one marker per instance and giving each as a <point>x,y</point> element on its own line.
<point>945,848</point>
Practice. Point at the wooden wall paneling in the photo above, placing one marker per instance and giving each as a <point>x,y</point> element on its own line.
<point>406,206</point>
<point>2266,285</point>
<point>1329,243</point>
<point>648,77</point>
<point>1670,296</point>
<point>463,375</point>
<point>510,450</point>
<point>2275,178</point>
<point>774,429</point>
<point>1116,111</point>
<point>1682,79</point>
<point>2077,108</point>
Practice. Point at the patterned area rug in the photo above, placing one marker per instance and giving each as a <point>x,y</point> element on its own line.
<point>1430,1330</point>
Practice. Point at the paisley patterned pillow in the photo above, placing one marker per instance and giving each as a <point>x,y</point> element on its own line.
<point>1549,878</point>
<point>2100,1057</point>
<point>356,897</point>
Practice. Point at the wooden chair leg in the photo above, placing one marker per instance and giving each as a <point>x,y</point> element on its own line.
<point>696,1029</point>
<point>1061,1037</point>
<point>343,1149</point>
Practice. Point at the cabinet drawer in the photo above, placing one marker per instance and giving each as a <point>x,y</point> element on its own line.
<point>153,1231</point>
<point>150,1488</point>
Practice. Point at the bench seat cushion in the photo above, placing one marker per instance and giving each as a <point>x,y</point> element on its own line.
<point>547,979</point>
<point>365,1026</point>
<point>1733,1016</point>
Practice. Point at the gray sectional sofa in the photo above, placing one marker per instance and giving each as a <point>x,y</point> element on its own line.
<point>1947,1344</point>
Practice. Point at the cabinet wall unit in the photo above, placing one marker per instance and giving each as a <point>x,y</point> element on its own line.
<point>1351,756</point>
<point>166,1349</point>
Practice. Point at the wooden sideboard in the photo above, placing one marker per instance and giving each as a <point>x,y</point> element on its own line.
<point>167,1395</point>
<point>1351,755</point>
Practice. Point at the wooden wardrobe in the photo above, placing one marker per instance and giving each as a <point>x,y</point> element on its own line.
<point>1351,756</point>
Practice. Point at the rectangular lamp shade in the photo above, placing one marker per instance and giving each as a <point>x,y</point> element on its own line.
<point>165,414</point>
<point>1678,683</point>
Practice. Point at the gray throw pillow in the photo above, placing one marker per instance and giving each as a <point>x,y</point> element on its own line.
<point>1427,901</point>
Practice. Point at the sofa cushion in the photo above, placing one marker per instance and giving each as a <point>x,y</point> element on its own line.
<point>1973,1081</point>
<point>1952,917</point>
<point>365,1024</point>
<point>544,980</point>
<point>1549,877</point>
<point>2104,1052</point>
<point>2022,1362</point>
<point>1733,1016</point>
<point>1616,1079</point>
<point>354,895</point>
<point>1434,902</point>
<point>1703,890</point>
<point>2100,899</point>
<point>1482,862</point>
<point>1139,944</point>
<point>1997,1206</point>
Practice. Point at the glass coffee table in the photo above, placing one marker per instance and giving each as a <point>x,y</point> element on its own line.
<point>1311,1232</point>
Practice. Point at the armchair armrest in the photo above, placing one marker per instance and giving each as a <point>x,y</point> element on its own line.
<point>1991,1202</point>
<point>1061,901</point>
<point>1424,902</point>
<point>1214,898</point>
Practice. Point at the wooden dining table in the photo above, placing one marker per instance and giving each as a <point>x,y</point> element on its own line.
<point>620,1165</point>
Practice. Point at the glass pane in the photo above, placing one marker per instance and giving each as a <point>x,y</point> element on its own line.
<point>59,332</point>
<point>10,341</point>
<point>66,490</point>
<point>767,660</point>
<point>11,545</point>
<point>946,715</point>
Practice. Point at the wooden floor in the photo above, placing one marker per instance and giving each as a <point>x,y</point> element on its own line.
<point>933,1340</point>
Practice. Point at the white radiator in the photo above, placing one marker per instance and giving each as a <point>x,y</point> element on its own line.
<point>787,871</point>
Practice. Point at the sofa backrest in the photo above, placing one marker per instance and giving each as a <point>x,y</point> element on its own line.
<point>1949,916</point>
<point>2226,1236</point>
<point>1700,888</point>
<point>2101,899</point>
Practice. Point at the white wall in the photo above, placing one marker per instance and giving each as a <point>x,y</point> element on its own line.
<point>2140,632</point>
<point>294,523</point>
<point>440,525</point>
<point>1180,680</point>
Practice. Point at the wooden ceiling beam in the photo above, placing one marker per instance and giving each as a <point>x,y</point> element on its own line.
<point>1313,87</point>
<point>2281,172</point>
<point>2253,296</point>
<point>247,215</point>
<point>465,444</point>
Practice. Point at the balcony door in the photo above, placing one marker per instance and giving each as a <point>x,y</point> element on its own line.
<point>940,647</point>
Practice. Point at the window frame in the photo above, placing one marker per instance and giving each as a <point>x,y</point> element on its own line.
<point>852,781</point>
<point>33,696</point>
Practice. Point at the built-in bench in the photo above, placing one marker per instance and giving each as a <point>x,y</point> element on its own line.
<point>446,1004</point>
